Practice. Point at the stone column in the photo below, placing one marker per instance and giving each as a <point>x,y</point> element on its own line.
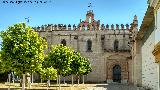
<point>138,64</point>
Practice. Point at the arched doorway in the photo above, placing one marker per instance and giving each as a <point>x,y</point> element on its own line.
<point>117,73</point>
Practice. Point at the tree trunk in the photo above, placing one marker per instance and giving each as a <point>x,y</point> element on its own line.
<point>9,80</point>
<point>57,79</point>
<point>64,80</point>
<point>23,82</point>
<point>32,77</point>
<point>13,77</point>
<point>28,82</point>
<point>72,80</point>
<point>83,79</point>
<point>9,87</point>
<point>78,79</point>
<point>49,83</point>
<point>41,81</point>
<point>59,82</point>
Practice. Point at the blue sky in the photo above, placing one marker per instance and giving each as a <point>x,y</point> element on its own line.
<point>71,11</point>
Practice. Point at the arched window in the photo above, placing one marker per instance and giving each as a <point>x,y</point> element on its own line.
<point>116,45</point>
<point>89,45</point>
<point>63,41</point>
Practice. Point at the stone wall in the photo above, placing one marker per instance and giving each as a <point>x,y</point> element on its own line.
<point>150,69</point>
<point>98,56</point>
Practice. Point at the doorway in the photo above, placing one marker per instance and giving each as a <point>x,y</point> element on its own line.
<point>117,74</point>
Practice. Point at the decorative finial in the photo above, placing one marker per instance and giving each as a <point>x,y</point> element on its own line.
<point>135,17</point>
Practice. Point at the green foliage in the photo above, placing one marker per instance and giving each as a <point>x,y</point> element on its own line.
<point>87,67</point>
<point>67,61</point>
<point>77,62</point>
<point>2,70</point>
<point>22,49</point>
<point>60,57</point>
<point>49,73</point>
<point>80,65</point>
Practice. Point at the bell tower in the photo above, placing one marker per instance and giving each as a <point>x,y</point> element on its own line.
<point>89,23</point>
<point>89,16</point>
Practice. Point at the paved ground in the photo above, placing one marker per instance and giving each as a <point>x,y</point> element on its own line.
<point>42,86</point>
<point>120,87</point>
<point>111,87</point>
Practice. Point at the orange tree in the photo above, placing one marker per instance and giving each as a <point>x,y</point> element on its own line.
<point>80,65</point>
<point>60,58</point>
<point>22,49</point>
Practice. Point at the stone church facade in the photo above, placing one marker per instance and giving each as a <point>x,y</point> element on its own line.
<point>106,46</point>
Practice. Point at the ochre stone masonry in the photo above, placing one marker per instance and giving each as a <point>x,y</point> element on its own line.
<point>104,45</point>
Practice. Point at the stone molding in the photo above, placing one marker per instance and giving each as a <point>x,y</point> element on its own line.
<point>156,52</point>
<point>157,6</point>
<point>117,57</point>
<point>147,20</point>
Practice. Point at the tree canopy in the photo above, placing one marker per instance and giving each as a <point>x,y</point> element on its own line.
<point>48,73</point>
<point>60,57</point>
<point>22,49</point>
<point>80,65</point>
<point>68,61</point>
<point>2,69</point>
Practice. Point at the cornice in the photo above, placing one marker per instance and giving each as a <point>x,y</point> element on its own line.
<point>157,6</point>
<point>147,20</point>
